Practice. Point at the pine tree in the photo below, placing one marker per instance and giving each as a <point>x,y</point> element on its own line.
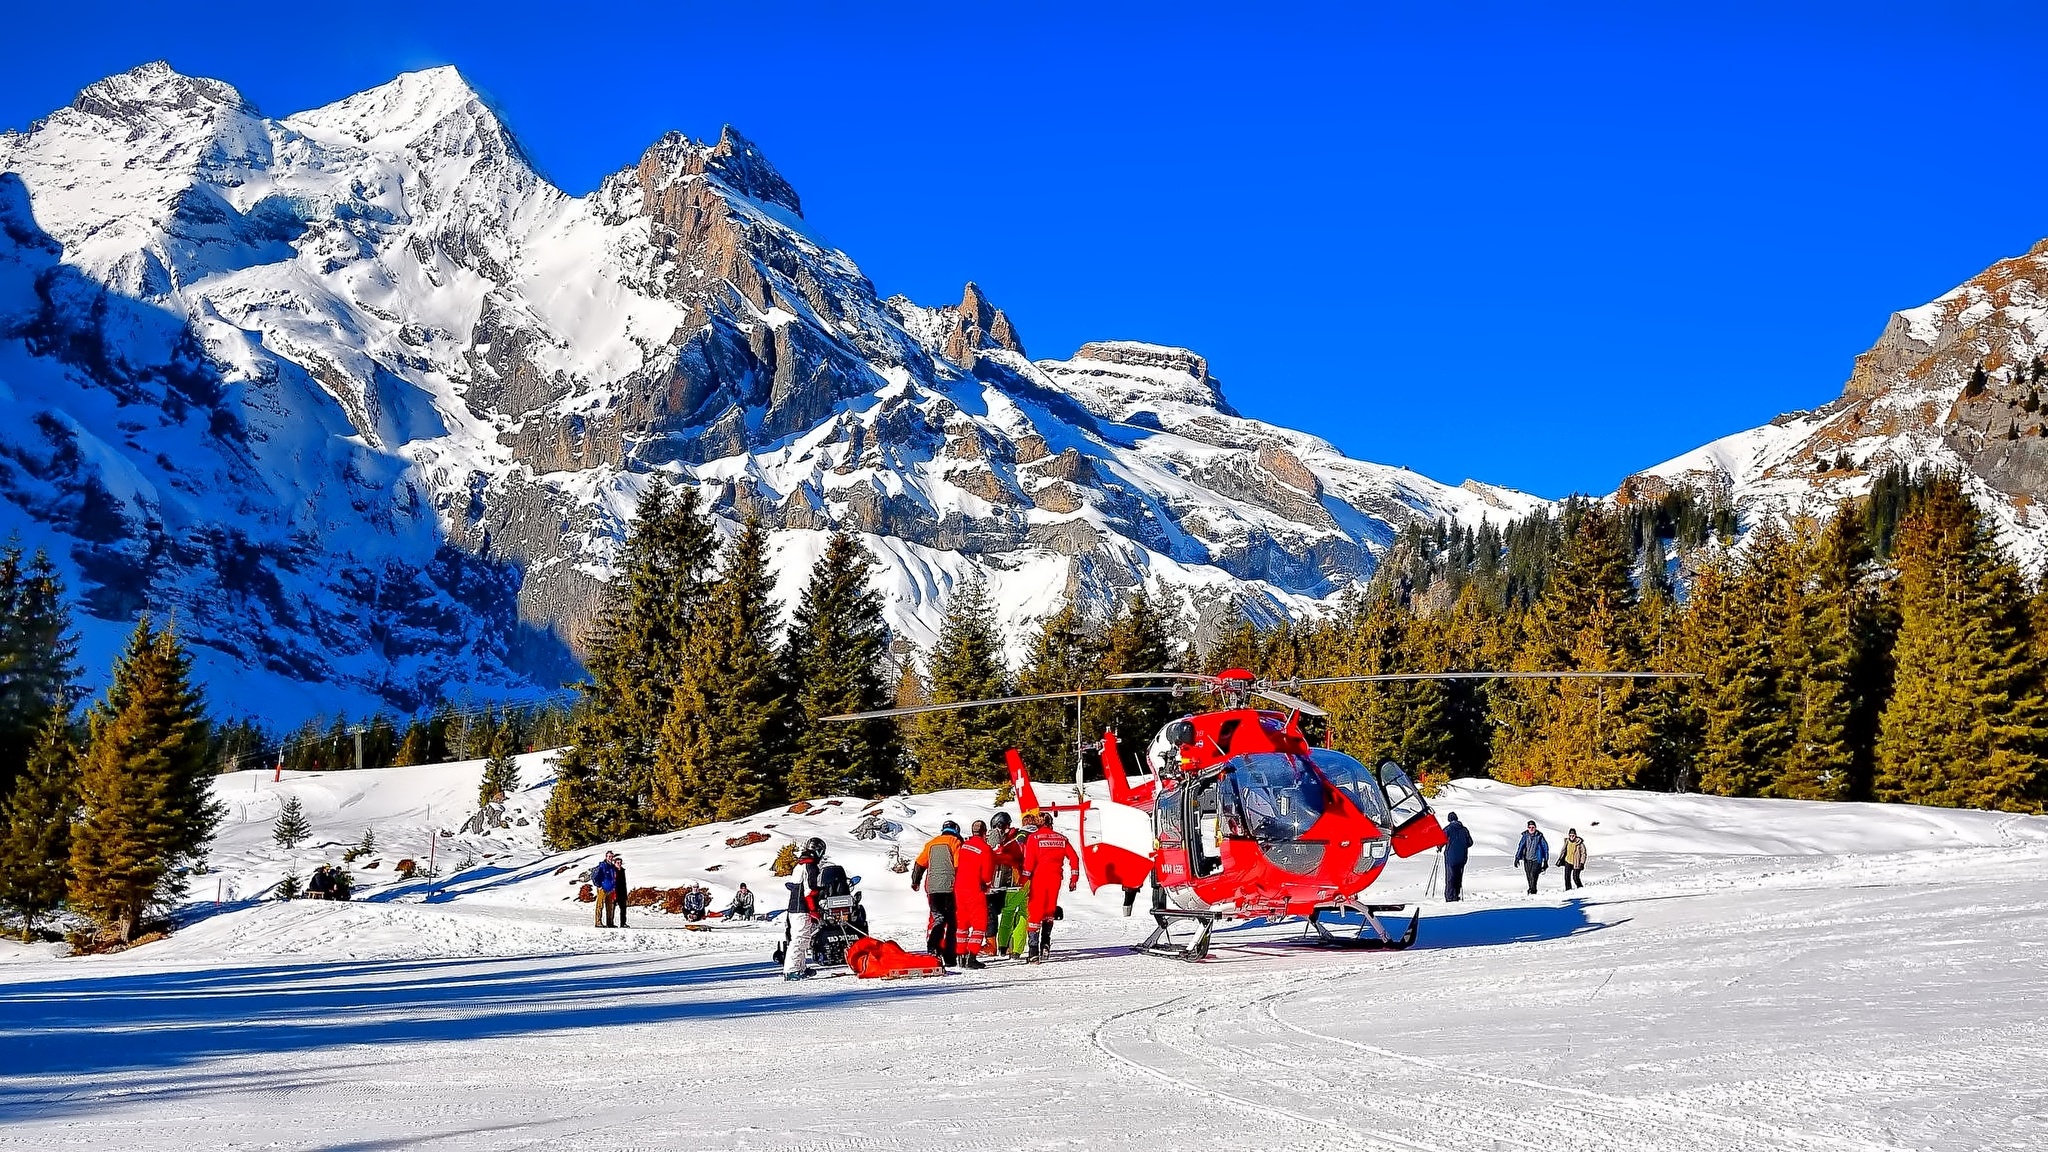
<point>605,781</point>
<point>963,748</point>
<point>1141,637</point>
<point>1825,649</point>
<point>35,826</point>
<point>1065,655</point>
<point>727,725</point>
<point>414,748</point>
<point>291,829</point>
<point>834,662</point>
<point>142,785</point>
<point>1746,686</point>
<point>501,771</point>
<point>38,655</point>
<point>1576,732</point>
<point>1967,722</point>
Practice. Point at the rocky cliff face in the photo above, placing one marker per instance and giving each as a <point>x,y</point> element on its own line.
<point>366,403</point>
<point>1955,384</point>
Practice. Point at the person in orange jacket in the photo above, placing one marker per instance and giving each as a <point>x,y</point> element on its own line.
<point>936,868</point>
<point>976,868</point>
<point>1045,852</point>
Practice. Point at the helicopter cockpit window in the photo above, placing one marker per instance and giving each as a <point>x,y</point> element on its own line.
<point>1403,797</point>
<point>1357,782</point>
<point>1278,796</point>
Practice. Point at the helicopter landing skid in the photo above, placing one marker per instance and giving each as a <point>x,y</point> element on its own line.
<point>1162,943</point>
<point>1373,936</point>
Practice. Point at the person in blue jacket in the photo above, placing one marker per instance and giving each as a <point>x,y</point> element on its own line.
<point>1457,846</point>
<point>1533,854</point>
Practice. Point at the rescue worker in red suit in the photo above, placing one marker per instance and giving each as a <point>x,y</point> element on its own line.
<point>977,867</point>
<point>1045,852</point>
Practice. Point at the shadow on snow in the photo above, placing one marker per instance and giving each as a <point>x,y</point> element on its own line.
<point>138,1022</point>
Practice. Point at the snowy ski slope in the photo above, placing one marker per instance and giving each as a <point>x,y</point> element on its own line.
<point>1737,975</point>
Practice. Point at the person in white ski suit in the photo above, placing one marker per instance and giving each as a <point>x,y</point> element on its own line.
<point>803,910</point>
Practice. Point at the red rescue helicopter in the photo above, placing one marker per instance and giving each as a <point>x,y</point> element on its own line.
<point>1238,816</point>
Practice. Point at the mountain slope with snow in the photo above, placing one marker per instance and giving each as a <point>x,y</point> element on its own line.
<point>366,402</point>
<point>1955,384</point>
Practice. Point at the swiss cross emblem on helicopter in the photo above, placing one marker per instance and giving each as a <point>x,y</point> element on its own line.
<point>1235,815</point>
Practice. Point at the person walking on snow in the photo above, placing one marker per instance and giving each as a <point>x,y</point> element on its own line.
<point>977,867</point>
<point>1457,848</point>
<point>937,867</point>
<point>604,880</point>
<point>1533,854</point>
<point>803,910</point>
<point>1046,851</point>
<point>1572,854</point>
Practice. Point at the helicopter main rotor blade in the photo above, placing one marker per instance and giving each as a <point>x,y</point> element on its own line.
<point>1294,702</point>
<point>1401,676</point>
<point>1158,676</point>
<point>918,709</point>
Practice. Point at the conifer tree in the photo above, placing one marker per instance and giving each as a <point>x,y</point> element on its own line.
<point>834,660</point>
<point>1745,689</point>
<point>1065,655</point>
<point>1967,722</point>
<point>38,655</point>
<point>290,829</point>
<point>1582,733</point>
<point>35,826</point>
<point>414,749</point>
<point>726,732</point>
<point>963,748</point>
<point>501,771</point>
<point>1242,646</point>
<point>1824,650</point>
<point>142,785</point>
<point>1141,637</point>
<point>605,781</point>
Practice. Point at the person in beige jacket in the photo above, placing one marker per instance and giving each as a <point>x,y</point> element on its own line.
<point>1573,856</point>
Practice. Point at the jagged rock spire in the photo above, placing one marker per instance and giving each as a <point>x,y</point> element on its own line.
<point>979,325</point>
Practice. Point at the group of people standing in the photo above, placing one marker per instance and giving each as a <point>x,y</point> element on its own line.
<point>608,880</point>
<point>995,892</point>
<point>1532,853</point>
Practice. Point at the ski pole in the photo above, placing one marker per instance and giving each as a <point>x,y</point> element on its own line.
<point>1430,889</point>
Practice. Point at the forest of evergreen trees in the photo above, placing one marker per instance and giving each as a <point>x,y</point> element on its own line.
<point>1889,652</point>
<point>104,816</point>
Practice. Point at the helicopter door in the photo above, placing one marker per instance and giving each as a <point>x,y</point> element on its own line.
<point>1415,827</point>
<point>1205,828</point>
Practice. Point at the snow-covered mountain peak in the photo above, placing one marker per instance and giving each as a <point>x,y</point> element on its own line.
<point>156,94</point>
<point>736,162</point>
<point>400,112</point>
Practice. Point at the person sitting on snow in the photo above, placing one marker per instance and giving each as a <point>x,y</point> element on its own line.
<point>742,906</point>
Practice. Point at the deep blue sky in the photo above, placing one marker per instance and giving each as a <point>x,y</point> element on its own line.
<point>1541,248</point>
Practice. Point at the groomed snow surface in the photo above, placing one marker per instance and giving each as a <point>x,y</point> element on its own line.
<point>1736,975</point>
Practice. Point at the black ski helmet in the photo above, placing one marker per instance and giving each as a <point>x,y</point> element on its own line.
<point>815,847</point>
<point>1000,821</point>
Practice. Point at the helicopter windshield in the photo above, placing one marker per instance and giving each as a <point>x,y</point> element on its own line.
<point>1276,796</point>
<point>1356,781</point>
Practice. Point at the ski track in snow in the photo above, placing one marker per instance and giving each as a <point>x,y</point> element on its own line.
<point>1714,990</point>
